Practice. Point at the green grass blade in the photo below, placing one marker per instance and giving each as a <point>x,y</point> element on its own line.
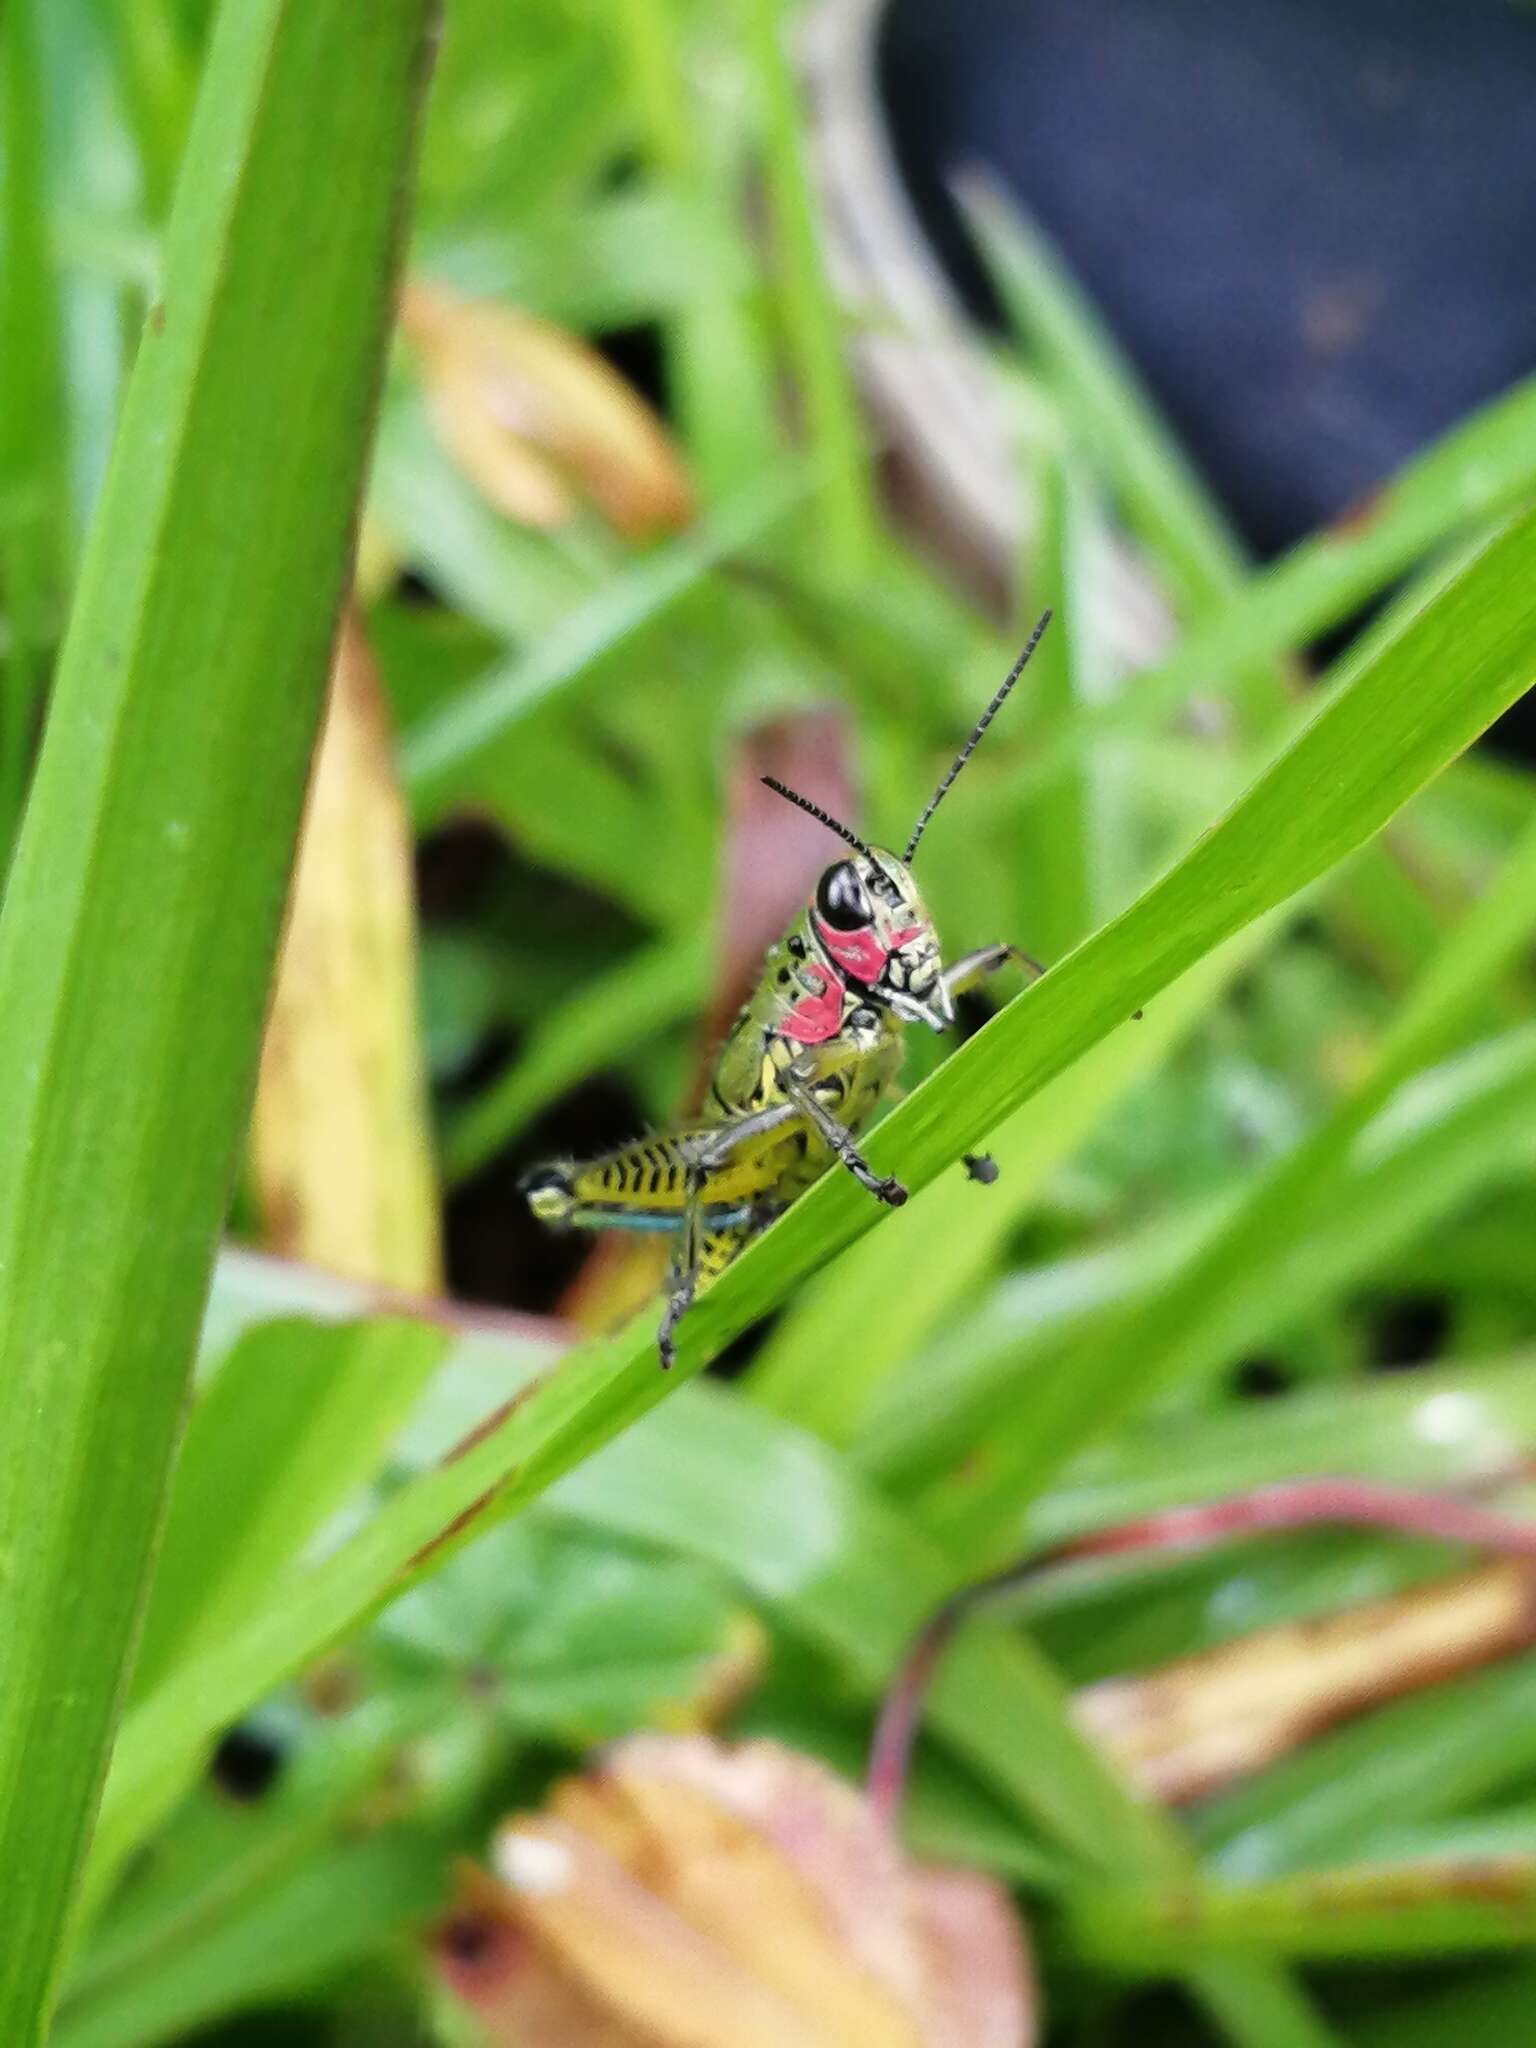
<point>721,373</point>
<point>442,755</point>
<point>941,1396</point>
<point>657,987</point>
<point>1382,733</point>
<point>192,1934</point>
<point>1374,1430</point>
<point>1164,500</point>
<point>1256,2007</point>
<point>296,1421</point>
<point>1053,838</point>
<point>1463,2006</point>
<point>1479,470</point>
<point>32,470</point>
<point>1490,937</point>
<point>138,931</point>
<point>302,1924</point>
<point>848,524</point>
<point>1482,468</point>
<point>156,92</point>
<point>1453,1132</point>
<point>1188,1325</point>
<point>1434,1754</point>
<point>1445,1907</point>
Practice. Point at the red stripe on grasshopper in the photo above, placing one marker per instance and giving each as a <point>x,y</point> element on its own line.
<point>816,1017</point>
<point>862,954</point>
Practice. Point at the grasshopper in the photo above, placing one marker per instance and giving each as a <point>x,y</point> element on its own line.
<point>816,1046</point>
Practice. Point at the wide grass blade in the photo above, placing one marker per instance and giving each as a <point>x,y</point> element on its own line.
<point>32,479</point>
<point>1458,1133</point>
<point>138,931</point>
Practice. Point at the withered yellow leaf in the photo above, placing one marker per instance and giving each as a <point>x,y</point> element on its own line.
<point>340,1154</point>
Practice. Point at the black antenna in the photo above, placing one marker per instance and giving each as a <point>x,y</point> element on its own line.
<point>977,730</point>
<point>824,817</point>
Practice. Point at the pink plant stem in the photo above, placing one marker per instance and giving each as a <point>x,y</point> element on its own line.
<point>1295,1504</point>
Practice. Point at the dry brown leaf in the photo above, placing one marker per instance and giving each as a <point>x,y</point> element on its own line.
<point>537,420</point>
<point>340,1157</point>
<point>688,1894</point>
<point>1193,1726</point>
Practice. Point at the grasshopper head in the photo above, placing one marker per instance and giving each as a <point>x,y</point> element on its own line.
<point>869,919</point>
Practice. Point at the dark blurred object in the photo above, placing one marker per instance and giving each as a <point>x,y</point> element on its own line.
<point>246,1762</point>
<point>1308,220</point>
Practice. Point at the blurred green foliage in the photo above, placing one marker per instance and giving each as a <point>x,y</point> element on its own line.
<point>1316,1145</point>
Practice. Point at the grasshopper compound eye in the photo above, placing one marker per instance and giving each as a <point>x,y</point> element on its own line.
<point>843,900</point>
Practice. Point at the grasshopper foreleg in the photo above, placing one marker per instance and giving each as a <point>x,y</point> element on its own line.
<point>683,1271</point>
<point>973,967</point>
<point>799,1084</point>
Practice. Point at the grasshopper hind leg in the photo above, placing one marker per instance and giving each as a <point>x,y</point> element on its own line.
<point>683,1272</point>
<point>695,1265</point>
<point>709,1187</point>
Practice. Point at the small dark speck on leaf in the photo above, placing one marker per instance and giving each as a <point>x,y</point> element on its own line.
<point>981,1166</point>
<point>245,1763</point>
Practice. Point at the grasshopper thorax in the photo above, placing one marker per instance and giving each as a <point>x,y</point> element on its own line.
<point>868,921</point>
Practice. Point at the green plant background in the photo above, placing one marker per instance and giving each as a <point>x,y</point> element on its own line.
<point>1324,1111</point>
